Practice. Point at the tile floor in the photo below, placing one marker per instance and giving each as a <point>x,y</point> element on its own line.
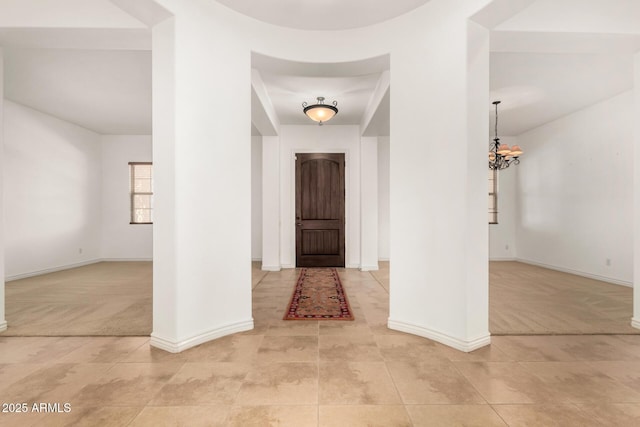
<point>310,373</point>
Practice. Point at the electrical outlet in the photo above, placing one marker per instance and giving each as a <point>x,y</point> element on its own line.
<point>608,262</point>
<point>79,250</point>
<point>506,247</point>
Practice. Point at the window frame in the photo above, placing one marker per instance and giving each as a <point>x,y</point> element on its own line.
<point>133,193</point>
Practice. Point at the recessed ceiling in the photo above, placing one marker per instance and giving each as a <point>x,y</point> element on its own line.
<point>323,15</point>
<point>554,58</point>
<point>536,88</point>
<point>106,91</point>
<point>288,84</point>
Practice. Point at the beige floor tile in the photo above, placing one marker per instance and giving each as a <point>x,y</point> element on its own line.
<point>91,416</point>
<point>293,328</point>
<point>364,416</point>
<point>37,349</point>
<point>356,383</point>
<point>596,347</point>
<point>105,349</point>
<point>191,416</point>
<point>27,419</point>
<point>532,348</point>
<point>288,349</point>
<point>127,384</point>
<point>627,373</point>
<point>268,416</point>
<point>613,414</point>
<point>547,415</point>
<point>580,382</point>
<point>148,354</point>
<point>233,349</point>
<point>407,348</point>
<point>355,348</point>
<point>56,382</point>
<point>14,372</point>
<point>281,384</point>
<point>212,383</point>
<point>489,353</point>
<point>454,416</point>
<point>432,382</point>
<point>506,382</point>
<point>358,326</point>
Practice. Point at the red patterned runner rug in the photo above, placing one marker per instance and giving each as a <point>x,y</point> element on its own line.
<point>319,295</point>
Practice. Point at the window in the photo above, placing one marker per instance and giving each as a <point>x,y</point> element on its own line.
<point>493,196</point>
<point>141,192</point>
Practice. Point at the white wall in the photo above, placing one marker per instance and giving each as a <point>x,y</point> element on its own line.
<point>256,198</point>
<point>383,198</point>
<point>575,197</point>
<point>502,236</point>
<point>636,199</point>
<point>121,240</point>
<point>319,139</point>
<point>3,322</point>
<point>369,203</point>
<point>52,183</point>
<point>202,158</point>
<point>271,204</point>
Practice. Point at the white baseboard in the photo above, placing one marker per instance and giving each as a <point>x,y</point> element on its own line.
<point>3,326</point>
<point>635,323</point>
<point>369,268</point>
<point>50,270</point>
<point>177,347</point>
<point>126,259</point>
<point>577,273</point>
<point>503,259</point>
<point>442,338</point>
<point>271,268</point>
<point>383,259</point>
<point>256,259</point>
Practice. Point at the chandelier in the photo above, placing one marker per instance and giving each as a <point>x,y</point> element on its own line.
<point>320,112</point>
<point>500,155</point>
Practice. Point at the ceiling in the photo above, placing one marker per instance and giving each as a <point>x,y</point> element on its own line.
<point>548,59</point>
<point>288,84</point>
<point>322,15</point>
<point>106,91</point>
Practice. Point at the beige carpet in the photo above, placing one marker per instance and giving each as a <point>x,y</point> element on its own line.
<point>107,298</point>
<point>114,298</point>
<point>530,300</point>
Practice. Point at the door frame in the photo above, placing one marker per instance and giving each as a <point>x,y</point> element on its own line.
<point>347,195</point>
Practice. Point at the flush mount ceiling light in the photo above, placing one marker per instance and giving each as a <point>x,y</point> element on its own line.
<point>320,112</point>
<point>500,155</point>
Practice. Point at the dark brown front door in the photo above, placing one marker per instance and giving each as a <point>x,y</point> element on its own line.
<point>319,210</point>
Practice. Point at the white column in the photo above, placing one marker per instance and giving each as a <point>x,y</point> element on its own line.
<point>165,314</point>
<point>202,150</point>
<point>438,226</point>
<point>369,204</point>
<point>271,203</point>
<point>635,321</point>
<point>476,228</point>
<point>3,322</point>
